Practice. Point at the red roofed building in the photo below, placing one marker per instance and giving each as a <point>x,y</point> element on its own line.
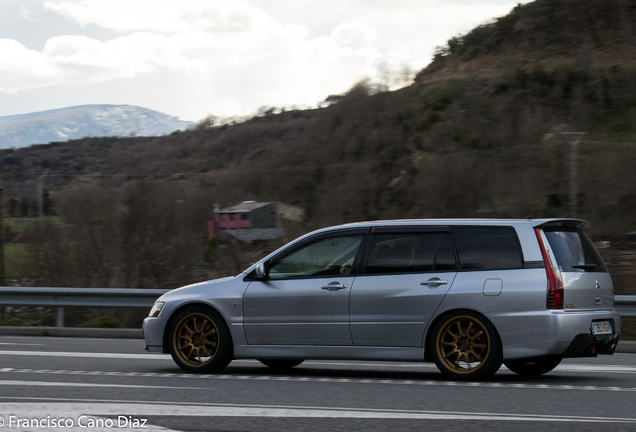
<point>247,221</point>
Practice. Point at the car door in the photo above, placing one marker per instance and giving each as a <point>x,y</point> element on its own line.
<point>403,280</point>
<point>304,300</point>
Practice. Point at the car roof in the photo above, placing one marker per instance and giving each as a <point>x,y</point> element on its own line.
<point>460,221</point>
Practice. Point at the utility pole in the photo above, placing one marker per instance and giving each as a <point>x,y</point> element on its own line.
<point>41,197</point>
<point>574,138</point>
<point>40,192</point>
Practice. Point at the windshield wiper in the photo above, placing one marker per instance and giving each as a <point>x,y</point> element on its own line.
<point>585,266</point>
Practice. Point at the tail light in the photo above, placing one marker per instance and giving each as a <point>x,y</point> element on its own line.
<point>555,286</point>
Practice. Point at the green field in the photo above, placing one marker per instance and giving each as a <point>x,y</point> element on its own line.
<point>15,258</point>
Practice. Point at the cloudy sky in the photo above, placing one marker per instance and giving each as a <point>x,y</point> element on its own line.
<point>193,58</point>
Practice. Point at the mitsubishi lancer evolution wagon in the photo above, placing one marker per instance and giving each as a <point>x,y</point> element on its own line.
<point>467,294</point>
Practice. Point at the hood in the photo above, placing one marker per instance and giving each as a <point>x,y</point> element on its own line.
<point>197,288</point>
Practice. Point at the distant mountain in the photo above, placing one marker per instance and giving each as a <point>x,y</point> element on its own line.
<point>85,121</point>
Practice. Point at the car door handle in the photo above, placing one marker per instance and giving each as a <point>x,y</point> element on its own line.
<point>434,282</point>
<point>334,286</point>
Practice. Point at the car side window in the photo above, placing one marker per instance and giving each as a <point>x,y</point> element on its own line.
<point>488,248</point>
<point>331,256</point>
<point>445,260</point>
<point>410,253</point>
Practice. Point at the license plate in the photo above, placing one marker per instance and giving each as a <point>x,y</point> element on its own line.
<point>601,328</point>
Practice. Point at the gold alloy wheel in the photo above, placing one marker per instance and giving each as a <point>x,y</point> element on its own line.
<point>196,339</point>
<point>463,344</point>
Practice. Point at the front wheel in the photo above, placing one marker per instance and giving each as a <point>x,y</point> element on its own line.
<point>200,341</point>
<point>465,346</point>
<point>533,366</point>
<point>281,364</point>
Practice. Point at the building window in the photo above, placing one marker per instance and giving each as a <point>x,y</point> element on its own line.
<point>245,216</point>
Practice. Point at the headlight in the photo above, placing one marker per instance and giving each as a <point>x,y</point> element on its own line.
<point>156,309</point>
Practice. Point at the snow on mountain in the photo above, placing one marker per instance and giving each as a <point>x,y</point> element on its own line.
<point>85,121</point>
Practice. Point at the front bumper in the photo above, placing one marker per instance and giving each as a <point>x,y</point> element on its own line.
<point>153,333</point>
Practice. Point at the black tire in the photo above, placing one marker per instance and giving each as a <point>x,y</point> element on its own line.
<point>533,366</point>
<point>199,340</point>
<point>465,346</point>
<point>281,364</point>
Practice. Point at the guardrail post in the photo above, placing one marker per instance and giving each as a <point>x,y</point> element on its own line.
<point>59,317</point>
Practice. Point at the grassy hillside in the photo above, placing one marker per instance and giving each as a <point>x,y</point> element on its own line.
<point>545,34</point>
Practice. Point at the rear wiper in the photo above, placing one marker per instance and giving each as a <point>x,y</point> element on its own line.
<point>585,266</point>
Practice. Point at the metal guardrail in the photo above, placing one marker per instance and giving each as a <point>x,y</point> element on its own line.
<point>87,297</point>
<point>625,304</point>
<point>142,298</point>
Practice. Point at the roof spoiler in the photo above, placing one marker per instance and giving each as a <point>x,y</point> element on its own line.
<point>579,223</point>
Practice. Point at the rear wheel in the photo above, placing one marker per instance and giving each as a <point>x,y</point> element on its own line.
<point>200,341</point>
<point>465,346</point>
<point>533,366</point>
<point>281,364</point>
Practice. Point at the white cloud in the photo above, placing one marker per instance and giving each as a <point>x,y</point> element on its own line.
<point>194,36</point>
<point>18,63</point>
<point>356,34</point>
<point>163,16</point>
<point>131,55</point>
<point>82,60</point>
<point>26,11</point>
<point>232,56</point>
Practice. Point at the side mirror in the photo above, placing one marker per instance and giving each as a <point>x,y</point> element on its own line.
<point>261,270</point>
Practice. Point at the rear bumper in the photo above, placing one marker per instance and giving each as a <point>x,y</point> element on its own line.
<point>556,332</point>
<point>587,345</point>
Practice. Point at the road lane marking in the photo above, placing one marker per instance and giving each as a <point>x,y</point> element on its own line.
<point>562,367</point>
<point>361,364</point>
<point>75,339</point>
<point>18,343</point>
<point>18,383</point>
<point>601,368</point>
<point>69,410</point>
<point>87,355</point>
<point>282,378</point>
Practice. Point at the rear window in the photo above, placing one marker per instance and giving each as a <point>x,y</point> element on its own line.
<point>488,248</point>
<point>574,251</point>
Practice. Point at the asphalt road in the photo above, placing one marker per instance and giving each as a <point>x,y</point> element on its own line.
<point>102,384</point>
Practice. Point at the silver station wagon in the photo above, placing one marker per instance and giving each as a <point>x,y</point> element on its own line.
<point>466,294</point>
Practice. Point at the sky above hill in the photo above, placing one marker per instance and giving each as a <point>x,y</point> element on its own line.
<point>193,58</point>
